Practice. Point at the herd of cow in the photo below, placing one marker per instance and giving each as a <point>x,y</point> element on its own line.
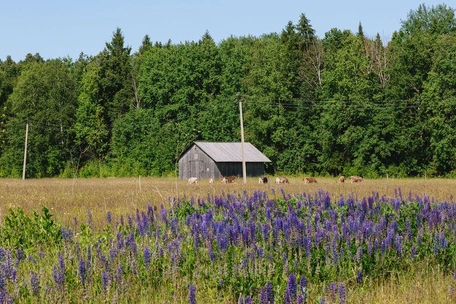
<point>279,180</point>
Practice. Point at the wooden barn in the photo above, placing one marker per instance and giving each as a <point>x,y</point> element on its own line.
<point>206,160</point>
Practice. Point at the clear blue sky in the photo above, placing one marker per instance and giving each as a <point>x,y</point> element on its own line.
<point>59,28</point>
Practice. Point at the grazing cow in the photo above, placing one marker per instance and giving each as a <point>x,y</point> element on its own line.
<point>224,180</point>
<point>193,180</point>
<point>263,180</point>
<point>211,180</point>
<point>342,179</point>
<point>310,180</point>
<point>281,180</point>
<point>231,179</point>
<point>356,179</point>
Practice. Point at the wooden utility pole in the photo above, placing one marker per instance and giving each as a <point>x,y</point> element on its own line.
<point>25,151</point>
<point>244,170</point>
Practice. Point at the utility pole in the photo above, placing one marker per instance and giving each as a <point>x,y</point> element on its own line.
<point>25,150</point>
<point>244,170</point>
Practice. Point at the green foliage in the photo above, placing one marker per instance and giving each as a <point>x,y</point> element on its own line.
<point>44,98</point>
<point>344,103</point>
<point>20,230</point>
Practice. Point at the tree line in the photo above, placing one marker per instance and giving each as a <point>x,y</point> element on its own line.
<point>340,104</point>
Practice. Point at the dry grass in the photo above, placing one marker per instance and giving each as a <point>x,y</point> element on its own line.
<point>420,285</point>
<point>70,198</point>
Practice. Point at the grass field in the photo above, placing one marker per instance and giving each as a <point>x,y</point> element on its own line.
<point>70,199</point>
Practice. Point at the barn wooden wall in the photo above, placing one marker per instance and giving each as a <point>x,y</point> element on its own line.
<point>195,163</point>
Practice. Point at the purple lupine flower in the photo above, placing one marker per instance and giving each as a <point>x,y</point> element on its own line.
<point>210,251</point>
<point>342,294</point>
<point>13,274</point>
<point>150,213</point>
<point>35,282</point>
<point>191,294</point>
<point>359,277</point>
<point>2,253</point>
<point>104,280</point>
<point>335,255</point>
<point>359,254</point>
<point>58,276</point>
<point>89,253</point>
<point>146,256</point>
<point>291,287</point>
<point>308,245</point>
<point>408,229</point>
<point>132,243</point>
<point>263,296</point>
<point>145,223</point>
<point>67,234</point>
<point>2,282</point>
<point>163,214</point>
<point>332,290</point>
<point>302,283</point>
<point>129,221</point>
<point>108,217</point>
<point>301,299</point>
<point>139,223</point>
<point>19,255</point>
<point>31,259</point>
<point>119,274</point>
<point>120,240</point>
<point>288,298</point>
<point>270,292</point>
<point>61,262</point>
<point>82,271</point>
<point>413,252</point>
<point>8,266</point>
<point>104,261</point>
<point>247,300</point>
<point>112,254</point>
<point>370,247</point>
<point>443,241</point>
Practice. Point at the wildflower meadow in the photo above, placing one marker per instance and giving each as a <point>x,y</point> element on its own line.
<point>230,245</point>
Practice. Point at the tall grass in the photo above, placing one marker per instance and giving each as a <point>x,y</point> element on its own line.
<point>162,241</point>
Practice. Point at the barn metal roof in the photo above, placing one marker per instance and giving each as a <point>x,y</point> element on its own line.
<point>232,152</point>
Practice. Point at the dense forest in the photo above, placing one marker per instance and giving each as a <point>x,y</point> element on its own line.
<point>339,104</point>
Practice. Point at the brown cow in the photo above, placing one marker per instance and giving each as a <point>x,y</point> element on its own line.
<point>231,179</point>
<point>356,179</point>
<point>342,179</point>
<point>224,180</point>
<point>263,179</point>
<point>281,180</point>
<point>310,180</point>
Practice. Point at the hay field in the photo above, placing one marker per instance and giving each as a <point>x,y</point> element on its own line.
<point>70,198</point>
